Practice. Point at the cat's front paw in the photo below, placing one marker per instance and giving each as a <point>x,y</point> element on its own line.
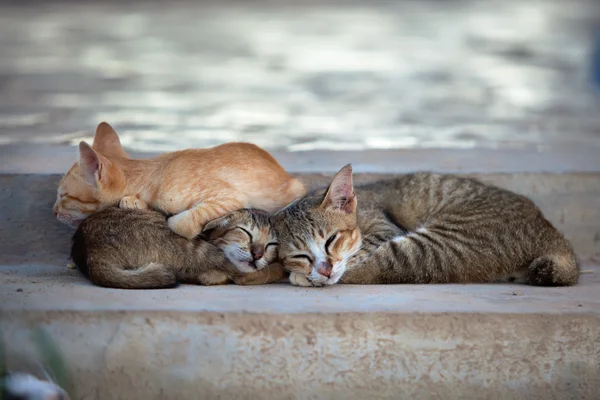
<point>132,202</point>
<point>183,225</point>
<point>300,280</point>
<point>211,278</point>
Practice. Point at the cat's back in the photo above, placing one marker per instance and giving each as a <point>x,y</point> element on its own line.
<point>426,193</point>
<point>111,232</point>
<point>218,160</point>
<point>117,221</point>
<point>243,167</point>
<point>437,187</point>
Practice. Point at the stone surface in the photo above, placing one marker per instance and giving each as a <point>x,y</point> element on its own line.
<point>282,342</point>
<point>58,288</point>
<point>321,354</point>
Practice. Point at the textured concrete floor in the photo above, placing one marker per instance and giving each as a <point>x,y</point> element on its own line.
<point>31,287</point>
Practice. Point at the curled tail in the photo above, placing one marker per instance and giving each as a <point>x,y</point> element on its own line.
<point>148,276</point>
<point>555,269</point>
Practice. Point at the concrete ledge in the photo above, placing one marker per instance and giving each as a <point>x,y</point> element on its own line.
<point>281,342</point>
<point>158,355</point>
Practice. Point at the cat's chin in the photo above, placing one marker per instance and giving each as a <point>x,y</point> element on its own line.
<point>72,222</point>
<point>318,279</point>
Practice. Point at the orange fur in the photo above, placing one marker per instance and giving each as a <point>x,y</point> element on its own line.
<point>194,186</point>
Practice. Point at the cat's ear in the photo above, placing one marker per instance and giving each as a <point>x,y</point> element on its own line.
<point>91,163</point>
<point>216,227</point>
<point>340,195</point>
<point>106,141</point>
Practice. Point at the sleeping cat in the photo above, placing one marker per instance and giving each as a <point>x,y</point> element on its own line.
<point>192,186</point>
<point>420,228</point>
<point>135,249</point>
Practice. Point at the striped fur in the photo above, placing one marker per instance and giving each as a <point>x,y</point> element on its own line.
<point>421,228</point>
<point>135,249</point>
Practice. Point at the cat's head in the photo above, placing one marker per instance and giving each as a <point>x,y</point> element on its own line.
<point>318,234</point>
<point>246,237</point>
<point>94,182</point>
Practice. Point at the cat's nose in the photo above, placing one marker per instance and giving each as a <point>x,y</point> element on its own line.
<point>257,254</point>
<point>325,268</point>
<point>55,211</point>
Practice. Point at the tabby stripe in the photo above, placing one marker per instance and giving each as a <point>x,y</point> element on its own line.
<point>370,241</point>
<point>433,255</point>
<point>451,245</point>
<point>462,219</point>
<point>380,237</point>
<point>435,242</point>
<point>396,252</point>
<point>389,258</point>
<point>460,232</point>
<point>453,238</point>
<point>419,245</point>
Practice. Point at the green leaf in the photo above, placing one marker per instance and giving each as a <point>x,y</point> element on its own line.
<point>53,359</point>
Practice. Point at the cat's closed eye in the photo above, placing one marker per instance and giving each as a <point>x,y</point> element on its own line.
<point>303,257</point>
<point>329,241</point>
<point>271,244</point>
<point>247,232</point>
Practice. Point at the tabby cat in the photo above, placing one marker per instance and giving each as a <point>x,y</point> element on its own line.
<point>135,249</point>
<point>420,228</point>
<point>192,186</point>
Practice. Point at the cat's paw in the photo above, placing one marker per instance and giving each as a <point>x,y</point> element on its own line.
<point>211,278</point>
<point>132,202</point>
<point>183,225</point>
<point>273,273</point>
<point>300,280</point>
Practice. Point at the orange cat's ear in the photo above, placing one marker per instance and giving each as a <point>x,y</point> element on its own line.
<point>90,163</point>
<point>106,141</point>
<point>340,195</point>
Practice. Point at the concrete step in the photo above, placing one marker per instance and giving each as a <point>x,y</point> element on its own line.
<point>281,342</point>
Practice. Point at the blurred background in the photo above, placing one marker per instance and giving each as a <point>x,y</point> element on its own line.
<point>302,75</point>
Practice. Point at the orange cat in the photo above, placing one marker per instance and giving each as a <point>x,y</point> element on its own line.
<point>193,186</point>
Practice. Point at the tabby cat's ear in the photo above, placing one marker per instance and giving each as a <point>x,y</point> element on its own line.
<point>216,227</point>
<point>106,141</point>
<point>340,195</point>
<point>90,163</point>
